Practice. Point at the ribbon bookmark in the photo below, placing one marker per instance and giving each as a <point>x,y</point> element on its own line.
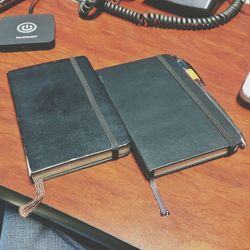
<point>163,210</point>
<point>26,209</point>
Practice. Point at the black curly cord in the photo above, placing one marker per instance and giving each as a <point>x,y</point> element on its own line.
<point>161,20</point>
<point>32,6</point>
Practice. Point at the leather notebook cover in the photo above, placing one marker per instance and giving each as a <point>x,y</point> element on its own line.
<point>66,119</point>
<point>173,123</point>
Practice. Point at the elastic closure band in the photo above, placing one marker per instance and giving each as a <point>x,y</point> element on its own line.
<point>96,108</point>
<point>196,100</point>
<point>115,153</point>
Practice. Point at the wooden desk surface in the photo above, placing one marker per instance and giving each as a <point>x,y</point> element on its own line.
<point>210,204</point>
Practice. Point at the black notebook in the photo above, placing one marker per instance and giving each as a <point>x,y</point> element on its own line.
<point>172,121</point>
<point>66,119</point>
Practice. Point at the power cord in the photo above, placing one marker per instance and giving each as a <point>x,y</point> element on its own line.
<point>160,20</point>
<point>32,6</point>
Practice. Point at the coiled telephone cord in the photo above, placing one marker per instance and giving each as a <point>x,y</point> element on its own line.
<point>160,20</point>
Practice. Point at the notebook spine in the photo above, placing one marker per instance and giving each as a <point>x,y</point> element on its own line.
<point>140,161</point>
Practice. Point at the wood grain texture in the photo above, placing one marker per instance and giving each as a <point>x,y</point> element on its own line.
<point>210,204</point>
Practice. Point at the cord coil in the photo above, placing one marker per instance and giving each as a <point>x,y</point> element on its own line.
<point>160,20</point>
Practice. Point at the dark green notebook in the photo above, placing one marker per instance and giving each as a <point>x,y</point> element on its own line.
<point>66,119</point>
<point>172,121</point>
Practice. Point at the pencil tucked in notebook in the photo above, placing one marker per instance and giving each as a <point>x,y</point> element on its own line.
<point>66,119</point>
<point>172,121</point>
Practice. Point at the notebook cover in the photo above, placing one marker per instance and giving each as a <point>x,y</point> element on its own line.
<point>56,118</point>
<point>165,124</point>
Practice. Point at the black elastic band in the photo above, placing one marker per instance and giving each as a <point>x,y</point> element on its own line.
<point>115,153</point>
<point>96,108</point>
<point>196,100</point>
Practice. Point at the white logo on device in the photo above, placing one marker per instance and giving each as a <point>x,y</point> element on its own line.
<point>26,27</point>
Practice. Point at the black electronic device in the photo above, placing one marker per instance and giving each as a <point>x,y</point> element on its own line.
<point>6,4</point>
<point>27,32</point>
<point>187,8</point>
